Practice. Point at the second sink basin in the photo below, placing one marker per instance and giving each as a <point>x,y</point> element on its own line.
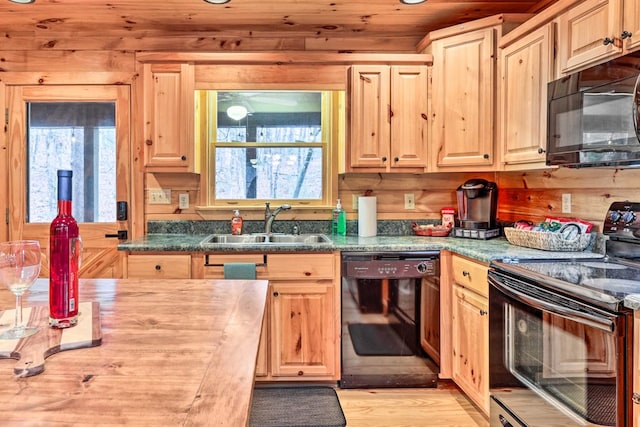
<point>267,239</point>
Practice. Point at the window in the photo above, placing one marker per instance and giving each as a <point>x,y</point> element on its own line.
<point>271,145</point>
<point>79,136</point>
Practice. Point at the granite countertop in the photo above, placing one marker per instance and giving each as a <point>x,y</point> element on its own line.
<point>481,250</point>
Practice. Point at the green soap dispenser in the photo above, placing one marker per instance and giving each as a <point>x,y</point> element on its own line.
<point>339,220</point>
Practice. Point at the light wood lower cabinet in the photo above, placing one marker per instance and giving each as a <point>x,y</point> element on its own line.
<point>159,266</point>
<point>301,328</point>
<point>470,330</point>
<point>636,369</point>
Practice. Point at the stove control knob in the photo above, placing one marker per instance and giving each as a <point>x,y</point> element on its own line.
<point>422,267</point>
<point>615,216</point>
<point>628,217</point>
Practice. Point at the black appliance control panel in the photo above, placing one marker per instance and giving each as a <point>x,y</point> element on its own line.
<point>622,220</point>
<point>376,266</point>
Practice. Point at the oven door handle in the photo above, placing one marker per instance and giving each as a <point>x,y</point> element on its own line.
<point>589,319</point>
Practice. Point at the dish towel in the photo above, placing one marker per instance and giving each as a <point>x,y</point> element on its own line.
<point>240,270</point>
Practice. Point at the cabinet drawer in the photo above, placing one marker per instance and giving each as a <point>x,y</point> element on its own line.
<point>470,274</point>
<point>299,266</point>
<point>159,266</point>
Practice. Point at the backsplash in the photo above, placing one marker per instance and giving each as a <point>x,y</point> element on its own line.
<point>384,227</point>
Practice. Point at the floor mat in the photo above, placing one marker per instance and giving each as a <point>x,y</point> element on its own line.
<point>377,339</point>
<point>296,407</point>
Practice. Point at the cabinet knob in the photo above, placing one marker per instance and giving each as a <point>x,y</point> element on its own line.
<point>424,116</point>
<point>300,373</point>
<point>607,41</point>
<point>276,294</point>
<point>483,312</point>
<point>465,273</point>
<point>384,159</point>
<point>485,156</point>
<point>307,273</point>
<point>541,150</point>
<point>396,159</point>
<point>148,142</point>
<point>183,158</point>
<point>625,35</point>
<point>158,267</point>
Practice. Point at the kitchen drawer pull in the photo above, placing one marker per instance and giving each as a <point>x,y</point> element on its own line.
<point>483,312</point>
<point>465,273</point>
<point>208,264</point>
<point>607,41</point>
<point>158,267</point>
<point>636,398</point>
<point>625,35</point>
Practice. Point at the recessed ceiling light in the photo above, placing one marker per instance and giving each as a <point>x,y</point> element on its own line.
<point>412,1</point>
<point>217,1</point>
<point>22,1</point>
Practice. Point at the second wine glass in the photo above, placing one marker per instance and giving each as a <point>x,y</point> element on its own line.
<point>19,268</point>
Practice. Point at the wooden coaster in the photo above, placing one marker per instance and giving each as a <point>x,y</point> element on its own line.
<point>31,351</point>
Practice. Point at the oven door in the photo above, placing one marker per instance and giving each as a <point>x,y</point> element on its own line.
<point>553,360</point>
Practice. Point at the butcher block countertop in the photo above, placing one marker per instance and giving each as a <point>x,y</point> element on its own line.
<point>173,352</point>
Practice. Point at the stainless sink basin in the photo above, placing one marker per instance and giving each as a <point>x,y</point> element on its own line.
<point>298,238</point>
<point>267,239</point>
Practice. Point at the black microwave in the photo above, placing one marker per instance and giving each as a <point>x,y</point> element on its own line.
<point>593,116</point>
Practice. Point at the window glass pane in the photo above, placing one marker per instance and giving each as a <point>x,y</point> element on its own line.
<point>269,145</point>
<point>268,173</point>
<point>79,136</point>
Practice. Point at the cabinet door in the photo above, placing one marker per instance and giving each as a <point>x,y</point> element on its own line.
<point>463,100</point>
<point>169,118</point>
<point>526,67</point>
<point>369,115</point>
<point>636,369</point>
<point>409,116</point>
<point>303,330</point>
<point>583,30</point>
<point>470,339</point>
<point>430,318</point>
<point>631,25</point>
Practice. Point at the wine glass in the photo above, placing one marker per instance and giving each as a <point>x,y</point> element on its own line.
<point>19,268</point>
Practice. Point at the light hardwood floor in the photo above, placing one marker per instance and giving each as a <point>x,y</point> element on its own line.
<point>445,406</point>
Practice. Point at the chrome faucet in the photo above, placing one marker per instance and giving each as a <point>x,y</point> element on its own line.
<point>270,216</point>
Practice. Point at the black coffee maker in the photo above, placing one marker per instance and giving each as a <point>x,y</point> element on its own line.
<point>477,206</point>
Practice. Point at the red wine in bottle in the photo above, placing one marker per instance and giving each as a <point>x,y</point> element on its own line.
<point>64,247</point>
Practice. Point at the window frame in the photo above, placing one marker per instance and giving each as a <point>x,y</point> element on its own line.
<point>333,117</point>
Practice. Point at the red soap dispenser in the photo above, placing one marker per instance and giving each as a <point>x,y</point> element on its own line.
<point>236,223</point>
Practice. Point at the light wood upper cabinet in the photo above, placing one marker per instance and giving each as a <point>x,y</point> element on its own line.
<point>526,66</point>
<point>470,330</point>
<point>597,30</point>
<point>169,112</point>
<point>463,101</point>
<point>388,118</point>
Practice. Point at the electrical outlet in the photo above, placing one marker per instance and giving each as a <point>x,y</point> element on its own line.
<point>160,196</point>
<point>409,201</point>
<point>354,201</point>
<point>566,203</point>
<point>183,201</point>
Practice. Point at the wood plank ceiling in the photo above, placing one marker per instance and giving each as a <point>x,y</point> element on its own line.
<point>240,25</point>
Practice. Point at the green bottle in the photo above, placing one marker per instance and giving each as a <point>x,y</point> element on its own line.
<point>339,220</point>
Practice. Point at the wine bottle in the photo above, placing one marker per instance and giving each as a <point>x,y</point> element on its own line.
<point>65,250</point>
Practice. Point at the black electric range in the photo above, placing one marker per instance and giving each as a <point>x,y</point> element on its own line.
<point>603,282</point>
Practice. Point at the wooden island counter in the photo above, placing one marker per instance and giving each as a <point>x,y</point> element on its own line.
<point>173,352</point>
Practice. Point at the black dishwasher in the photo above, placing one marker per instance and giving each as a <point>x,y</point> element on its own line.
<point>390,314</point>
